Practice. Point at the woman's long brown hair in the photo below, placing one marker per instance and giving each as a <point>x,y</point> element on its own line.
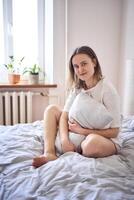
<point>73,80</point>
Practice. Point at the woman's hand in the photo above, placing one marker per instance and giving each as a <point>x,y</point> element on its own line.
<point>75,127</point>
<point>67,145</point>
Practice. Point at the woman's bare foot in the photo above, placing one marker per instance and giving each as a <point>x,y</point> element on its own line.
<point>43,159</point>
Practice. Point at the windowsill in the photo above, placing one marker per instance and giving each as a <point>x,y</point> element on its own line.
<point>25,84</point>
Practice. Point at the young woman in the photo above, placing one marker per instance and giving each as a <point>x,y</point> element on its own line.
<point>84,75</point>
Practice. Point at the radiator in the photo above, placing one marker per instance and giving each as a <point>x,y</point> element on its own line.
<point>15,107</point>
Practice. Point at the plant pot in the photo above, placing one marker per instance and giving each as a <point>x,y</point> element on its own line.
<point>13,78</point>
<point>33,78</point>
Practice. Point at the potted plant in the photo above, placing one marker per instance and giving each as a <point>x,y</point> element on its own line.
<point>33,73</point>
<point>13,68</point>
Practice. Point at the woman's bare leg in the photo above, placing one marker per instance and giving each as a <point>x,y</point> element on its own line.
<point>51,121</point>
<point>96,146</point>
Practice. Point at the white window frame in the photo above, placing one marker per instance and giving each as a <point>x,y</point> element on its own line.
<point>7,21</point>
<point>43,35</point>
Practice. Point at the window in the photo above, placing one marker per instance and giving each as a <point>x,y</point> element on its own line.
<point>2,49</point>
<point>26,29</point>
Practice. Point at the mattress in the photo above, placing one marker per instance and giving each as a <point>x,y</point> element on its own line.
<point>71,176</point>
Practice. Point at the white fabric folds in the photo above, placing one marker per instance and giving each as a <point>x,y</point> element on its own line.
<point>89,113</point>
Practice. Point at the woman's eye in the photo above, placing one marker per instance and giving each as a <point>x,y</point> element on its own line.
<point>83,64</point>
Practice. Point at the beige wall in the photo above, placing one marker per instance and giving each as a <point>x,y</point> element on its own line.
<point>105,25</point>
<point>127,55</point>
<point>97,24</point>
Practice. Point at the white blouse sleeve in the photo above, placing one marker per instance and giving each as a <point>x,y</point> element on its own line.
<point>70,99</point>
<point>111,101</point>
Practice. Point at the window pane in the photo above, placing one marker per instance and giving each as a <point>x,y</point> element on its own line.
<point>25,30</point>
<point>3,71</point>
<point>1,33</point>
<point>49,39</point>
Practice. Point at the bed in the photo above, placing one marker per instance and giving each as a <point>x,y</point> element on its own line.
<point>71,176</point>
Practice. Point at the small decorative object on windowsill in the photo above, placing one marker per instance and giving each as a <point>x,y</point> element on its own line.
<point>13,78</point>
<point>13,68</point>
<point>33,71</point>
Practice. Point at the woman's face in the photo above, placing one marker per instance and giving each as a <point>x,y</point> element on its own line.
<point>83,67</point>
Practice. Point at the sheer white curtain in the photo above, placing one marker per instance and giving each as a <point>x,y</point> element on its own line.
<point>3,71</point>
<point>128,104</point>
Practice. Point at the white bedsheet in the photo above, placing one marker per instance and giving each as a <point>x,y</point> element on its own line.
<point>71,176</point>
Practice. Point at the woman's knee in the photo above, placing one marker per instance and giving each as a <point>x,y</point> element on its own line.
<point>54,110</point>
<point>90,146</point>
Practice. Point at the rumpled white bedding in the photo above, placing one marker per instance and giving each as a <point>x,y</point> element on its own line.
<point>71,176</point>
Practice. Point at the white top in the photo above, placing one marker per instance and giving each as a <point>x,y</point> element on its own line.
<point>105,93</point>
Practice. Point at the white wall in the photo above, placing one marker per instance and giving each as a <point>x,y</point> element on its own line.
<point>127,54</point>
<point>59,48</point>
<point>97,24</point>
<point>105,25</point>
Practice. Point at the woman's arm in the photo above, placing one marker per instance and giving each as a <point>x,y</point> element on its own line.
<point>63,126</point>
<point>66,144</point>
<point>108,133</point>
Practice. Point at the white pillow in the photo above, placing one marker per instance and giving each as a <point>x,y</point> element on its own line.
<point>89,113</point>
